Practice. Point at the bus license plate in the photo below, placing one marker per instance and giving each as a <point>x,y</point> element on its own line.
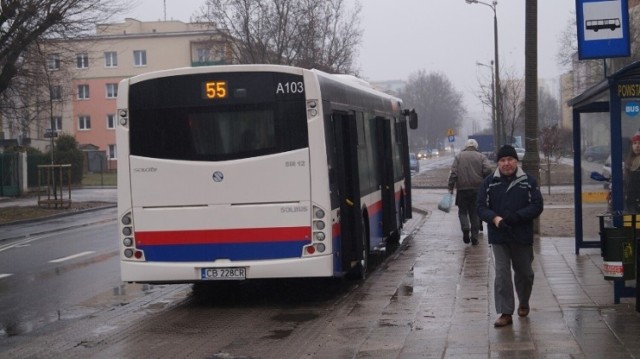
<point>231,273</point>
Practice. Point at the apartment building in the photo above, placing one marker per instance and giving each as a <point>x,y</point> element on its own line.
<point>86,105</point>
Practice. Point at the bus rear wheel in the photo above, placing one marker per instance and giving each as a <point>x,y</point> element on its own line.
<point>359,272</point>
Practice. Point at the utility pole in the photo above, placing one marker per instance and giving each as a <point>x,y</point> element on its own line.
<point>531,163</point>
<point>531,160</point>
<point>499,132</point>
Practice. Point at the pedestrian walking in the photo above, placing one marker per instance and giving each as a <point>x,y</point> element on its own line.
<point>469,169</point>
<point>632,176</point>
<point>509,201</point>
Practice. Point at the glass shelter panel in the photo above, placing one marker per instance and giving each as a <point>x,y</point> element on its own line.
<point>630,127</point>
<point>595,144</point>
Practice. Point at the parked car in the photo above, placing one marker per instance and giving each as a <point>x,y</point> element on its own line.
<point>596,153</point>
<point>414,164</point>
<point>606,167</point>
<point>520,151</point>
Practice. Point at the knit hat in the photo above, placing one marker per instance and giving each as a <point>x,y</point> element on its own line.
<point>472,143</point>
<point>507,151</point>
<point>636,137</point>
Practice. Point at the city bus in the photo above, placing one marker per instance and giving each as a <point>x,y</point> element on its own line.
<point>239,172</point>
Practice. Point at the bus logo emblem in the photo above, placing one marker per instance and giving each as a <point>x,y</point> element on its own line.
<point>218,176</point>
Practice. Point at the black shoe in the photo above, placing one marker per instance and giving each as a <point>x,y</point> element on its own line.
<point>474,241</point>
<point>481,225</point>
<point>465,236</point>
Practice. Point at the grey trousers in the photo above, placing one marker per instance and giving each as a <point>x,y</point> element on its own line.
<point>467,212</point>
<point>520,257</point>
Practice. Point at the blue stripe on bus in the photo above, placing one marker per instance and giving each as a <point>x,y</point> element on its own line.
<point>231,251</point>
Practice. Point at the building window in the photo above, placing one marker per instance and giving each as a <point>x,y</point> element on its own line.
<point>57,123</point>
<point>112,90</point>
<point>111,121</point>
<point>112,152</point>
<point>82,61</point>
<point>140,57</point>
<point>56,92</point>
<point>53,62</point>
<point>111,59</point>
<point>83,92</point>
<point>204,55</point>
<point>84,122</point>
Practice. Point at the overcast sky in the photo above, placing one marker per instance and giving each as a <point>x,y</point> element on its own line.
<point>448,36</point>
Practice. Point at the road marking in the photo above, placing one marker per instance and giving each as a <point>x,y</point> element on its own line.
<point>71,257</point>
<point>22,243</point>
<point>4,275</point>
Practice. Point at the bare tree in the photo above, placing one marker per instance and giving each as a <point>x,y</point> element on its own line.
<point>30,103</point>
<point>433,96</point>
<point>548,108</point>
<point>512,88</point>
<point>556,141</point>
<point>512,95</point>
<point>23,22</point>
<point>32,82</point>
<point>307,33</point>
<point>587,73</point>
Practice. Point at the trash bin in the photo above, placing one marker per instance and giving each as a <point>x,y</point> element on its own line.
<point>618,246</point>
<point>618,249</point>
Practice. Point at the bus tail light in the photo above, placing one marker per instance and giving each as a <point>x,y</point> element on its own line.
<point>312,108</point>
<point>128,241</point>
<point>319,227</point>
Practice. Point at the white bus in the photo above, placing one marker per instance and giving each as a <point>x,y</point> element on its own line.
<point>257,171</point>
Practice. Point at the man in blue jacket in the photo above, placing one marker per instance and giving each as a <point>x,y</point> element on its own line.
<point>509,201</point>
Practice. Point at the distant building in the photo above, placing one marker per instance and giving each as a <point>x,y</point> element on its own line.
<point>87,70</point>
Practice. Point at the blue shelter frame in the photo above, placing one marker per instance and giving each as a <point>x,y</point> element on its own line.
<point>606,96</point>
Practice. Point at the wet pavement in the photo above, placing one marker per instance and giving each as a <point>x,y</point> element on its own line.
<point>97,194</point>
<point>573,314</point>
<point>444,306</point>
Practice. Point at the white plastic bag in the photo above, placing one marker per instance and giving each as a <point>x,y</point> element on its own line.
<point>445,202</point>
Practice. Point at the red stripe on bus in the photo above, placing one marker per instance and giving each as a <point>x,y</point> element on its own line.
<point>210,236</point>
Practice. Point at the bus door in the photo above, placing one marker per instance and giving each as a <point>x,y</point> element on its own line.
<point>348,184</point>
<point>385,161</point>
<point>401,129</point>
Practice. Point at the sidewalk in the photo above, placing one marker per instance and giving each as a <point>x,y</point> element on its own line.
<point>572,311</point>
<point>98,194</point>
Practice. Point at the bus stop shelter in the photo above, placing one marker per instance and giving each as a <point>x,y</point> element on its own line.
<point>619,96</point>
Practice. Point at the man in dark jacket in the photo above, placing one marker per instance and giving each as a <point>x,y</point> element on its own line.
<point>509,201</point>
<point>469,168</point>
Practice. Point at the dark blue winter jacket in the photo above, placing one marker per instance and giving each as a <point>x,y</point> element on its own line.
<point>517,200</point>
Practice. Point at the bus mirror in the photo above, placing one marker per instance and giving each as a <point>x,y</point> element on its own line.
<point>413,118</point>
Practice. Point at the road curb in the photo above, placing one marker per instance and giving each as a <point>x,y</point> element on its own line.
<point>57,215</point>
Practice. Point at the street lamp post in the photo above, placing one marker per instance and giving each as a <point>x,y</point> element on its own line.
<point>500,133</point>
<point>493,105</point>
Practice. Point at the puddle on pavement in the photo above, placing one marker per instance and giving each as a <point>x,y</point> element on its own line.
<point>26,322</point>
<point>279,334</point>
<point>406,288</point>
<point>295,317</point>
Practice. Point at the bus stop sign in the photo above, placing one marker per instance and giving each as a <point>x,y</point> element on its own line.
<point>603,28</point>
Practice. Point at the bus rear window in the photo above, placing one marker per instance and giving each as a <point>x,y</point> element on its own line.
<point>168,124</point>
<point>218,134</point>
